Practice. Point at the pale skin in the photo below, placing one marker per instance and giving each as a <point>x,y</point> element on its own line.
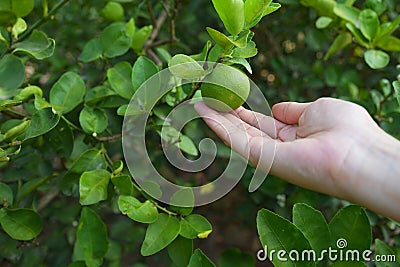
<point>329,146</point>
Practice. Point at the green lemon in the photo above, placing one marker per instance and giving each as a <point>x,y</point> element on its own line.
<point>231,92</point>
<point>113,11</point>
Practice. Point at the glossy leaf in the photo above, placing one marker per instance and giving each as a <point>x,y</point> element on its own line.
<point>6,194</point>
<point>219,38</point>
<point>199,259</point>
<point>254,10</point>
<point>143,69</point>
<point>93,121</point>
<point>141,212</point>
<point>351,14</point>
<point>376,59</point>
<point>180,251</point>
<point>91,51</point>
<point>323,7</point>
<point>93,186</point>
<point>123,183</point>
<point>60,139</point>
<point>249,51</point>
<point>241,61</point>
<point>369,23</point>
<point>67,92</point>
<point>352,224</point>
<point>235,257</point>
<point>182,201</point>
<point>343,40</point>
<point>121,40</point>
<point>231,12</point>
<point>42,121</point>
<point>30,187</point>
<point>323,22</point>
<point>120,78</point>
<point>384,250</point>
<point>172,136</point>
<point>140,37</point>
<point>195,226</point>
<point>21,224</point>
<point>184,67</point>
<point>389,43</point>
<point>91,242</point>
<point>19,27</point>
<point>277,233</point>
<point>357,35</point>
<point>271,8</point>
<point>313,225</point>
<point>97,94</point>
<point>12,73</point>
<point>160,234</point>
<point>38,45</point>
<point>396,86</point>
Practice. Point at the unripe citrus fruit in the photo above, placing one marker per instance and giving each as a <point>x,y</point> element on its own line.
<point>230,91</point>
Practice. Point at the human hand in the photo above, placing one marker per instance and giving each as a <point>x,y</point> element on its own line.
<point>323,146</point>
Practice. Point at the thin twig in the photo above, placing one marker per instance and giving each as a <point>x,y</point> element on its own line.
<point>109,138</point>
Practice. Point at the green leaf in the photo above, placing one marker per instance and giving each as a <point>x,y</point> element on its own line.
<point>376,59</point>
<point>389,27</point>
<point>199,259</point>
<point>9,103</point>
<point>180,251</point>
<point>378,6</point>
<point>93,186</point>
<point>352,224</point>
<point>142,70</point>
<point>91,51</point>
<point>276,233</point>
<point>231,12</point>
<point>313,225</point>
<point>396,86</point>
<point>121,111</point>
<point>240,61</point>
<point>349,264</point>
<point>16,130</point>
<point>323,7</point>
<point>172,136</point>
<point>184,67</point>
<point>182,201</point>
<point>323,22</point>
<point>341,41</point>
<point>123,183</point>
<point>21,224</point>
<point>31,186</point>
<point>160,234</point>
<point>67,92</point>
<point>120,78</point>
<point>195,226</point>
<point>141,212</point>
<point>271,8</point>
<point>93,120</point>
<point>249,51</point>
<point>114,40</point>
<point>19,27</point>
<point>358,35</point>
<point>20,8</point>
<point>7,18</point>
<point>235,257</point>
<point>6,194</point>
<point>12,73</point>
<point>254,10</point>
<point>383,249</point>
<point>349,13</point>
<point>220,38</point>
<point>140,37</point>
<point>389,43</point>
<point>27,92</point>
<point>369,23</point>
<point>38,45</point>
<point>113,11</point>
<point>42,121</point>
<point>61,139</point>
<point>91,242</point>
<point>97,94</point>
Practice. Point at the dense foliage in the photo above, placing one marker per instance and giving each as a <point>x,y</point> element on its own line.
<point>68,69</point>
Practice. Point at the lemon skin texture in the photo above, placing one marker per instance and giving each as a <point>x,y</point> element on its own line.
<point>230,91</point>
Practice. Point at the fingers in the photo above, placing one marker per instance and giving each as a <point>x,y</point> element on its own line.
<point>289,112</point>
<point>230,128</point>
